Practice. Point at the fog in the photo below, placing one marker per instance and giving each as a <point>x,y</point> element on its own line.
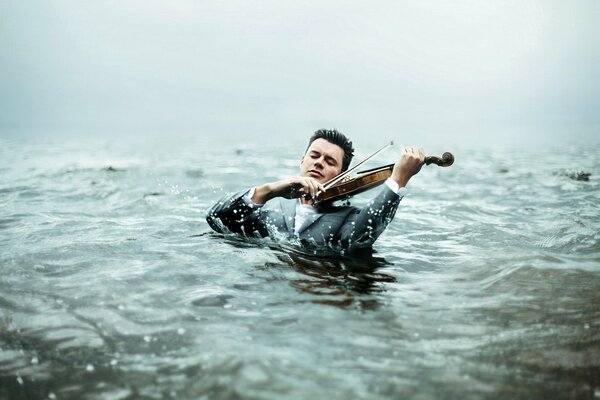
<point>501,73</point>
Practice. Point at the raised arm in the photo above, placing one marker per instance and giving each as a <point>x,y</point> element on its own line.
<point>364,227</point>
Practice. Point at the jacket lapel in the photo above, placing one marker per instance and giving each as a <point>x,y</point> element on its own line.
<point>311,219</point>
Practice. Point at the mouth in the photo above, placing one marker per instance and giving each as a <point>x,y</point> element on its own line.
<point>315,174</point>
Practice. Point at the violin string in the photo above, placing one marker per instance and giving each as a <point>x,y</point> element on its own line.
<point>341,176</point>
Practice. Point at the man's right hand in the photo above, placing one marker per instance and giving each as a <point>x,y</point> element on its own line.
<point>289,188</point>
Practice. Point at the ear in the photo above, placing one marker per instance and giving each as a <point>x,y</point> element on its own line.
<point>302,159</point>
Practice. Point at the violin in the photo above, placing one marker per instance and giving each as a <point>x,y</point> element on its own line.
<point>368,179</point>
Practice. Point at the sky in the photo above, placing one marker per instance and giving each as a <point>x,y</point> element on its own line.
<point>425,71</point>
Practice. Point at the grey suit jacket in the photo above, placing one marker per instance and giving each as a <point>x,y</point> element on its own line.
<point>334,227</point>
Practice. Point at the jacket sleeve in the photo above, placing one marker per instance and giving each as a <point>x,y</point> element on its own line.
<point>363,226</point>
<point>235,214</point>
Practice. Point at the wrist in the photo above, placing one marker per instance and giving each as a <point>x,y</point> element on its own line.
<point>394,187</point>
<point>262,194</point>
<point>401,180</point>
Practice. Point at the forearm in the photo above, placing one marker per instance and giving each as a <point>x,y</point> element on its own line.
<point>263,193</point>
<point>289,188</point>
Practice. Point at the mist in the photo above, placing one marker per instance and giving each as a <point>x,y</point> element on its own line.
<point>506,73</point>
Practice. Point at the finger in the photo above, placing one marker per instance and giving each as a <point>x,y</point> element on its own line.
<point>319,185</point>
<point>306,186</point>
<point>314,187</point>
<point>309,186</point>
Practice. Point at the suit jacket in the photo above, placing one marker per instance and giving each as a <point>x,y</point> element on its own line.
<point>333,227</point>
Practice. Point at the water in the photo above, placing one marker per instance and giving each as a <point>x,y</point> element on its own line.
<point>485,286</point>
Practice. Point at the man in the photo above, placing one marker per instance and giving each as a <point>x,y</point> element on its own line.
<point>280,209</point>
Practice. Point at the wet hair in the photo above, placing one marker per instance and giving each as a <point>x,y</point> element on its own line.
<point>337,138</point>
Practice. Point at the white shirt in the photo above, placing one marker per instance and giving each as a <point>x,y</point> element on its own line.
<point>303,211</point>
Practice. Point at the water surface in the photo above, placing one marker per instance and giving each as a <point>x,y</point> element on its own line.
<point>486,285</point>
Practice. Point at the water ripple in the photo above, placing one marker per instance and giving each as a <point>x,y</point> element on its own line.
<point>484,286</point>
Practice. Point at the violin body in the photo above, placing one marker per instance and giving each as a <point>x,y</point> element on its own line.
<point>359,184</point>
<point>371,178</point>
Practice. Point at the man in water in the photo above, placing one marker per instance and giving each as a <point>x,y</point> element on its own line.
<point>281,209</point>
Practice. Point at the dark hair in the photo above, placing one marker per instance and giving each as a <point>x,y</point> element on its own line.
<point>338,138</point>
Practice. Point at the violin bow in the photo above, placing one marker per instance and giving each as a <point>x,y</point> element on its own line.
<point>341,176</point>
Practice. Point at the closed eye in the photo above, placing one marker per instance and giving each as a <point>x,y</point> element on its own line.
<point>328,159</point>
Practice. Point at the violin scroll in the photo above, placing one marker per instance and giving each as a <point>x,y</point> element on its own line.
<point>446,160</point>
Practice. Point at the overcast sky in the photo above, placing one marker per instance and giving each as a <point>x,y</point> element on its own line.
<point>460,70</point>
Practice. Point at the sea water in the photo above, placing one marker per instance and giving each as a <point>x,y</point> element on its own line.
<point>486,285</point>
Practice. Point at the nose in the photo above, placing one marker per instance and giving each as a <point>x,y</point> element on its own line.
<point>319,162</point>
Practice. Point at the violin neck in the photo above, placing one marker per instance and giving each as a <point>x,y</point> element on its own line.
<point>428,160</point>
<point>376,169</point>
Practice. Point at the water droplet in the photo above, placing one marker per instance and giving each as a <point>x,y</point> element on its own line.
<point>89,368</point>
<point>34,360</point>
<point>51,395</point>
<point>147,339</point>
<point>180,331</point>
<point>19,380</point>
<point>113,362</point>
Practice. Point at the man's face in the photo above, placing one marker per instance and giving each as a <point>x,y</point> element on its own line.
<point>322,161</point>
